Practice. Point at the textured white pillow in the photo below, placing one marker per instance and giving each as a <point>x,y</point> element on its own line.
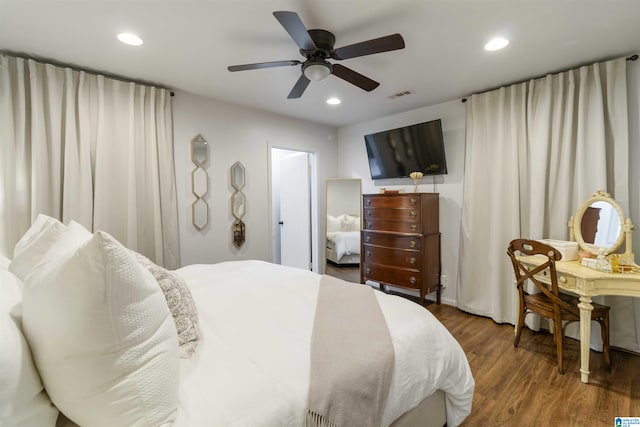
<point>349,223</point>
<point>34,244</point>
<point>333,224</point>
<point>181,304</point>
<point>102,337</point>
<point>23,401</point>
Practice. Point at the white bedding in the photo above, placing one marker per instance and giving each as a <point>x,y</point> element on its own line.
<point>345,242</point>
<point>252,365</point>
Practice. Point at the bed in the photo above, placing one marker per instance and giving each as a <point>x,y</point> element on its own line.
<point>247,365</point>
<point>343,239</point>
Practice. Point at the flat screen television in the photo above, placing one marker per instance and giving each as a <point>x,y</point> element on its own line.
<point>396,153</point>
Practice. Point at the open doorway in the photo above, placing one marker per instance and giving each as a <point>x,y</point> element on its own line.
<point>293,208</point>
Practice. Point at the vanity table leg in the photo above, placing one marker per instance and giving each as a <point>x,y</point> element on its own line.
<point>585,336</point>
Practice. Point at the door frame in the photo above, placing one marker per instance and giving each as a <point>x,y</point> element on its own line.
<point>313,198</point>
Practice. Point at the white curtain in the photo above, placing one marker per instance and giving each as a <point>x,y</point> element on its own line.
<point>534,152</point>
<point>75,145</point>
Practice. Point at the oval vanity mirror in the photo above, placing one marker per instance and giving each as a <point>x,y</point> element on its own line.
<point>598,224</point>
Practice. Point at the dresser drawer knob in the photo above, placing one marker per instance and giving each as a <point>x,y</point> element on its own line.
<point>412,280</point>
<point>367,239</point>
<point>368,213</point>
<point>562,279</point>
<point>368,271</point>
<point>368,253</point>
<point>368,202</point>
<point>412,260</point>
<point>412,214</point>
<point>413,201</point>
<point>368,225</point>
<point>412,244</point>
<point>414,227</point>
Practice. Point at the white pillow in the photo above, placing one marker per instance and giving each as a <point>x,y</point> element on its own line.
<point>349,223</point>
<point>4,263</point>
<point>34,244</point>
<point>333,224</point>
<point>181,304</point>
<point>102,337</point>
<point>23,401</point>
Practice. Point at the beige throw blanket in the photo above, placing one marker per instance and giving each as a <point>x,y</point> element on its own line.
<point>352,357</point>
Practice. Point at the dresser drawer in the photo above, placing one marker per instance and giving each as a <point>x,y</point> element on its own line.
<point>392,240</point>
<point>397,226</point>
<point>402,277</point>
<point>405,214</point>
<point>392,256</point>
<point>399,201</point>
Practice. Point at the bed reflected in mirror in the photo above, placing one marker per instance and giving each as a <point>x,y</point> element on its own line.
<point>342,249</point>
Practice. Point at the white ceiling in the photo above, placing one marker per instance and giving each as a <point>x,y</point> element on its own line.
<point>189,44</point>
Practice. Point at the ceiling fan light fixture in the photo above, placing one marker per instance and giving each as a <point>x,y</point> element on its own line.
<point>317,71</point>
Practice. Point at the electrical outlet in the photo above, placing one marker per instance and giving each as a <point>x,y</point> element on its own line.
<point>443,280</point>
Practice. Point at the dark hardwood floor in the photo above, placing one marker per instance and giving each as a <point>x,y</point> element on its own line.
<point>521,386</point>
<point>350,273</point>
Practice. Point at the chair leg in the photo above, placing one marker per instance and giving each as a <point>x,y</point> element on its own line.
<point>604,325</point>
<point>559,339</point>
<point>521,317</point>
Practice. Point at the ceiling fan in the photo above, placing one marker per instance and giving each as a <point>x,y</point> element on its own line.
<point>317,46</point>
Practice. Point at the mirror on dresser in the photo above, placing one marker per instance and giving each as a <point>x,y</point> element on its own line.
<point>342,243</point>
<point>600,227</point>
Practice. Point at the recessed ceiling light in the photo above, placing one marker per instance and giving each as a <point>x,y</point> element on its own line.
<point>496,44</point>
<point>333,101</point>
<point>130,38</point>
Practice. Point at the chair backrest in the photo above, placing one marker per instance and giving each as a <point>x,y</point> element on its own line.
<point>524,273</point>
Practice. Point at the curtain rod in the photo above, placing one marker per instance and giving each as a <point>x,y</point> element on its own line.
<point>83,69</point>
<point>463,100</point>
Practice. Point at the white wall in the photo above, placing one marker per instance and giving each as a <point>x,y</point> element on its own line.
<point>240,134</point>
<point>353,164</point>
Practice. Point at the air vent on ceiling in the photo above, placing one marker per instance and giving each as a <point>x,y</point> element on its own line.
<point>399,94</point>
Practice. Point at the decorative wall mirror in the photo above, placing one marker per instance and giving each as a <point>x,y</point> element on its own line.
<point>199,182</point>
<point>599,226</point>
<point>344,207</point>
<point>238,204</point>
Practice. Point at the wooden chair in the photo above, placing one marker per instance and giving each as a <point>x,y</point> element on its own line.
<point>550,303</point>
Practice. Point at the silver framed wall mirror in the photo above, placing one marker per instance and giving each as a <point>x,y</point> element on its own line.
<point>199,151</point>
<point>199,182</point>
<point>237,176</point>
<point>238,204</point>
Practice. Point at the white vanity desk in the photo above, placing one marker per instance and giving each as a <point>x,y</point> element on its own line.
<point>587,282</point>
<point>611,230</point>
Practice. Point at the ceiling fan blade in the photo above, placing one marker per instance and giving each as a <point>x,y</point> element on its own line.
<point>262,65</point>
<point>296,29</point>
<point>355,78</point>
<point>369,47</point>
<point>299,87</point>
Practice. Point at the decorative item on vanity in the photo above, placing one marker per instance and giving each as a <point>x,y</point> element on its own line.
<point>199,182</point>
<point>238,204</point>
<point>416,176</point>
<point>600,227</point>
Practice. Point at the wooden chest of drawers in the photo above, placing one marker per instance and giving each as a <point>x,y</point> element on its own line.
<point>400,244</point>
